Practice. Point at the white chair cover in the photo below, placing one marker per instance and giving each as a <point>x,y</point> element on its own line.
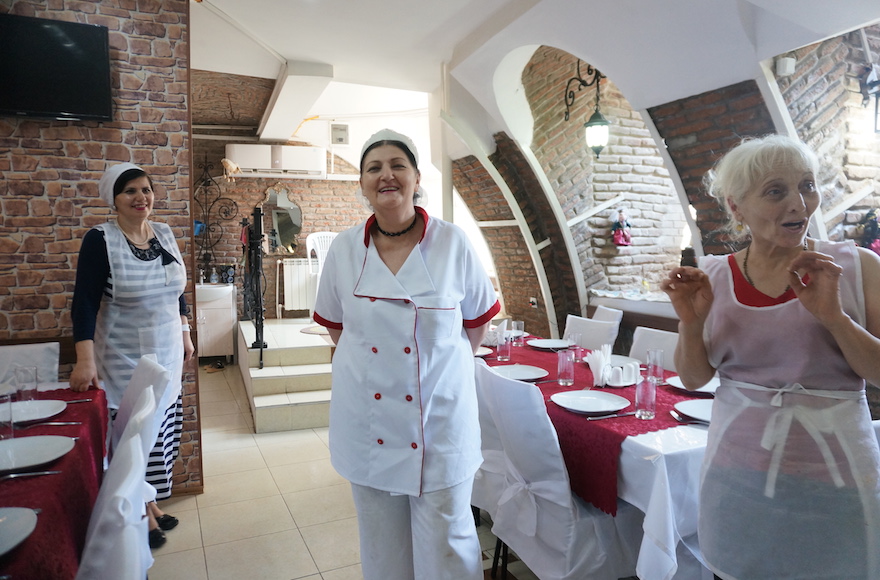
<point>147,373</point>
<point>43,355</point>
<point>646,338</point>
<point>594,333</point>
<point>607,314</point>
<point>318,242</point>
<point>490,478</point>
<point>556,534</point>
<point>117,547</point>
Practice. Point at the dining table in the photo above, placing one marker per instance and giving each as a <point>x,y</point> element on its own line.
<point>652,464</point>
<point>62,500</point>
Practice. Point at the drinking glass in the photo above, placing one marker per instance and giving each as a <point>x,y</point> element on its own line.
<point>502,353</point>
<point>6,425</point>
<point>565,368</point>
<point>646,391</point>
<point>574,345</point>
<point>519,332</point>
<point>26,383</point>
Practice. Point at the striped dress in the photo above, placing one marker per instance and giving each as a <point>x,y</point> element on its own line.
<point>140,314</point>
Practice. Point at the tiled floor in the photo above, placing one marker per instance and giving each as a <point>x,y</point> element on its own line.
<point>273,507</point>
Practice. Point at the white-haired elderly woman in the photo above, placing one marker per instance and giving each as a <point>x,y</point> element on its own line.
<point>790,324</point>
<point>128,301</point>
<point>407,302</point>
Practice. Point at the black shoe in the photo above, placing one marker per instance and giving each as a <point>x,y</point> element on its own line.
<point>157,539</point>
<point>167,522</point>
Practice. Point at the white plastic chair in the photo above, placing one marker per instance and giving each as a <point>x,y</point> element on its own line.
<point>490,478</point>
<point>594,333</point>
<point>555,533</point>
<point>645,338</point>
<point>117,545</point>
<point>319,243</point>
<point>147,373</point>
<point>43,355</point>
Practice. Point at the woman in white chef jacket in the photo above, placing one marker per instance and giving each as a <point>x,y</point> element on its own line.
<point>407,302</point>
<point>791,476</point>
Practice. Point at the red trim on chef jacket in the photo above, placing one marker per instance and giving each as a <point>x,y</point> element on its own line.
<point>372,219</point>
<point>326,323</point>
<point>748,295</point>
<point>477,322</point>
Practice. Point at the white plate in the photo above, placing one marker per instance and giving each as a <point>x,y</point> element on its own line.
<point>16,524</point>
<point>709,387</point>
<point>618,360</point>
<point>590,402</point>
<point>700,409</point>
<point>520,372</point>
<point>483,351</point>
<point>547,343</point>
<point>26,411</point>
<point>21,453</point>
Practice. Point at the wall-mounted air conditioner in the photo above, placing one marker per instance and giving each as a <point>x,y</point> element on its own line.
<point>258,160</point>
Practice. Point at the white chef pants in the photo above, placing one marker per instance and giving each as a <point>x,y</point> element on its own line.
<point>432,537</point>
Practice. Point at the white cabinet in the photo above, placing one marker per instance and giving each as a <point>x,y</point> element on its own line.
<point>215,319</point>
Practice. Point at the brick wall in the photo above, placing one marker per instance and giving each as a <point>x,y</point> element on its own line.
<point>327,205</point>
<point>515,272</point>
<point>697,131</point>
<point>630,166</point>
<point>49,172</point>
<point>826,107</point>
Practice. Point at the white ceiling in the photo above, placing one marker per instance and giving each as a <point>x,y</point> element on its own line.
<point>655,51</point>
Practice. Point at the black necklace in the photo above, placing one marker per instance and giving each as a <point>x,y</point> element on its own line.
<point>746,266</point>
<point>401,232</point>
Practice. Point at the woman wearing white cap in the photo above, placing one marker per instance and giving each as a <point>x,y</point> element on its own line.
<point>407,302</point>
<point>128,301</point>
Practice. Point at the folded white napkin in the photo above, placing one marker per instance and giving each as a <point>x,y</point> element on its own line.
<point>491,338</point>
<point>599,361</point>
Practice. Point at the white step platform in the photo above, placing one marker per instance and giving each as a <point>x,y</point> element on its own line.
<point>292,389</point>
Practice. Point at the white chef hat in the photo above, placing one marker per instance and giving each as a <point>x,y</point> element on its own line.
<point>108,180</point>
<point>389,135</point>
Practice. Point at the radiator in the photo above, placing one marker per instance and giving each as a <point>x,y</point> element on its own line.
<point>299,284</point>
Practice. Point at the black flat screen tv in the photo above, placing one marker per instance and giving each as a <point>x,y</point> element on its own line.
<point>54,69</point>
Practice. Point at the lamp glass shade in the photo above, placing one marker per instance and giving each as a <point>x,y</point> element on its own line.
<point>597,132</point>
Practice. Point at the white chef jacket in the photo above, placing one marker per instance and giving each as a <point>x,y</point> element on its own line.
<point>403,412</point>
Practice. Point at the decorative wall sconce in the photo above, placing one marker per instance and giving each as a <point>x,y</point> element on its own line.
<point>869,84</point>
<point>596,128</point>
<point>211,209</point>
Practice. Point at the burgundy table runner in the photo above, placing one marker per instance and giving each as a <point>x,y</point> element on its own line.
<point>591,449</point>
<point>66,499</point>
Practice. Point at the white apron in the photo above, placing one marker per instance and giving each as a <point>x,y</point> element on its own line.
<point>141,315</point>
<point>791,477</point>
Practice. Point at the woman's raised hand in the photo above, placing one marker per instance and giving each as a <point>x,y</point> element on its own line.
<point>815,279</point>
<point>690,292</point>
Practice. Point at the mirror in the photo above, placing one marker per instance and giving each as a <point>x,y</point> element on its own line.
<point>287,226</point>
<point>286,220</point>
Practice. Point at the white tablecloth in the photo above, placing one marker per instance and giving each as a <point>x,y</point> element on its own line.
<point>660,474</point>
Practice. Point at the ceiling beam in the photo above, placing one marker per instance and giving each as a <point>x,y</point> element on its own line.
<point>298,87</point>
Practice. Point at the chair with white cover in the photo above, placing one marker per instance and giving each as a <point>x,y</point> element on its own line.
<point>594,333</point>
<point>43,355</point>
<point>490,478</point>
<point>556,534</point>
<point>117,545</point>
<point>319,243</point>
<point>607,314</point>
<point>645,338</point>
<point>147,373</point>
